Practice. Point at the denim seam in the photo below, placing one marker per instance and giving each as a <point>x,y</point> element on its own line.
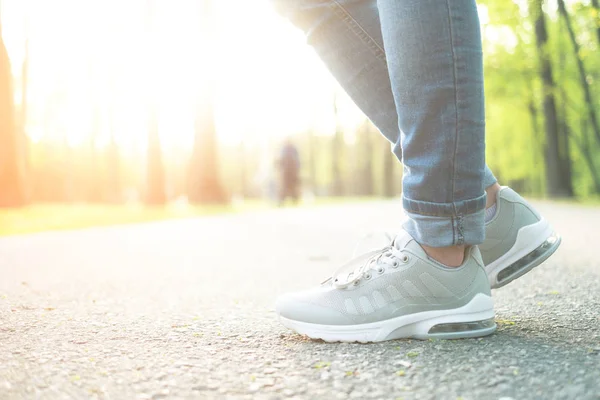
<point>358,30</point>
<point>460,229</point>
<point>455,104</point>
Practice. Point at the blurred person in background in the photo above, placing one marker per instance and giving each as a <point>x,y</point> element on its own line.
<point>415,68</point>
<point>289,169</point>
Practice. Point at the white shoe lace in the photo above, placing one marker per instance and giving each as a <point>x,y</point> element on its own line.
<point>364,266</point>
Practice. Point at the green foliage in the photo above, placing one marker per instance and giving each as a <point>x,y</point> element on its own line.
<point>515,115</point>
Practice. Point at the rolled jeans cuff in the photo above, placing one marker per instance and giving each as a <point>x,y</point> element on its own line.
<point>446,224</point>
<point>446,231</point>
<point>489,178</point>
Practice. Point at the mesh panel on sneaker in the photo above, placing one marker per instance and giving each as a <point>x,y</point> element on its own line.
<point>438,284</point>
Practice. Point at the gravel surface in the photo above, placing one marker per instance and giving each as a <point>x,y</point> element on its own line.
<point>184,309</point>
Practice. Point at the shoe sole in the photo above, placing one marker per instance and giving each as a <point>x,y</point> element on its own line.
<point>535,244</point>
<point>475,319</point>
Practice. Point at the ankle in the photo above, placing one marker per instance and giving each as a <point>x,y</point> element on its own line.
<point>452,256</point>
<point>492,192</point>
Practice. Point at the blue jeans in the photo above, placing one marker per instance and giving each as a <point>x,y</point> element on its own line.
<point>415,69</point>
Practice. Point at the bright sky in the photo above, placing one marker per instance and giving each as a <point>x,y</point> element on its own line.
<point>90,60</point>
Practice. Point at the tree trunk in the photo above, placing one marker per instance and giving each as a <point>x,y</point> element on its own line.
<point>312,161</point>
<point>563,138</point>
<point>155,172</point>
<point>242,166</point>
<point>596,5</point>
<point>538,140</point>
<point>24,138</point>
<point>585,86</point>
<point>337,143</point>
<point>389,160</point>
<point>366,153</point>
<point>588,156</point>
<point>114,188</point>
<point>565,156</point>
<point>155,187</point>
<point>114,181</point>
<point>94,181</point>
<point>555,184</point>
<point>533,113</point>
<point>584,149</point>
<point>11,188</point>
<point>114,172</point>
<point>205,185</point>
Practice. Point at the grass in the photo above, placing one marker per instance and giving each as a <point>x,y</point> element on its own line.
<point>56,217</point>
<point>53,217</point>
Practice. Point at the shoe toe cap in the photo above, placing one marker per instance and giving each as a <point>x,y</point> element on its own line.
<point>295,306</point>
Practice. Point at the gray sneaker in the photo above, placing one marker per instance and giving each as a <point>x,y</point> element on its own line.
<point>396,292</point>
<point>517,240</point>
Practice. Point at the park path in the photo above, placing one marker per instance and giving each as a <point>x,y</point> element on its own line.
<point>184,309</point>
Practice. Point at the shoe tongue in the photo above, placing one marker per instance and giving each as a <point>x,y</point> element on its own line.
<point>405,241</point>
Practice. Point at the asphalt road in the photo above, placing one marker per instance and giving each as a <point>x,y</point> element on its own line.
<point>184,309</point>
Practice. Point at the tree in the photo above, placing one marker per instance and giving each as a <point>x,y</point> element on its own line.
<point>583,145</point>
<point>596,7</point>
<point>155,169</point>
<point>114,179</point>
<point>11,188</point>
<point>337,144</point>
<point>24,138</point>
<point>389,162</point>
<point>155,176</point>
<point>205,185</point>
<point>311,160</point>
<point>242,164</point>
<point>365,144</point>
<point>564,129</point>
<point>114,171</point>
<point>556,185</point>
<point>583,80</point>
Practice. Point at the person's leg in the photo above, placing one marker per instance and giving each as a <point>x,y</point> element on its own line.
<point>347,35</point>
<point>400,291</point>
<point>434,58</point>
